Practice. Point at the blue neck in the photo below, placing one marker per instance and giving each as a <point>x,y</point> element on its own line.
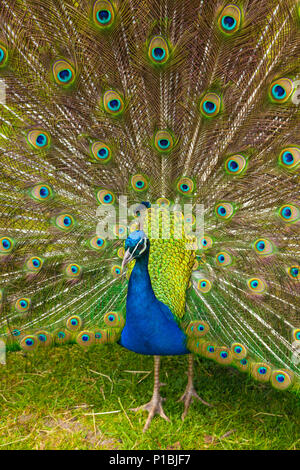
<point>150,326</point>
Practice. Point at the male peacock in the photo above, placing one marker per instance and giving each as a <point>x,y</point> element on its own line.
<point>169,102</point>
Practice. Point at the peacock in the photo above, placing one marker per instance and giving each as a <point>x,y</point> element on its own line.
<point>150,157</point>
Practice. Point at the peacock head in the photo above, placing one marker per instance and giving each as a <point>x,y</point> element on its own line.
<point>136,246</point>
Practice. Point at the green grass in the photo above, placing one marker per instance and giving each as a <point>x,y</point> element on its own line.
<point>50,400</point>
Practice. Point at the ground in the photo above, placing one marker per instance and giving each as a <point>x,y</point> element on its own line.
<point>66,398</point>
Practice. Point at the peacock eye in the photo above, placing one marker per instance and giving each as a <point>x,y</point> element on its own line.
<point>3,55</point>
<point>294,272</point>
<point>257,285</point>
<point>63,72</point>
<point>205,243</point>
<point>185,186</point>
<point>74,323</point>
<point>97,243</point>
<point>34,264</point>
<point>230,19</point>
<point>239,351</point>
<point>204,286</point>
<point>263,247</point>
<point>113,319</point>
<point>105,197</point>
<point>65,222</point>
<point>281,379</point>
<point>281,90</point>
<point>113,103</point>
<point>38,139</point>
<point>235,165</point>
<point>224,259</point>
<point>103,14</point>
<point>289,158</point>
<point>261,372</point>
<point>41,192</point>
<point>158,51</point>
<point>224,210</point>
<point>296,334</point>
<point>163,141</point>
<point>116,271</point>
<point>22,305</point>
<point>139,183</point>
<point>73,270</point>
<point>289,213</point>
<point>210,105</point>
<point>101,152</point>
<point>6,245</point>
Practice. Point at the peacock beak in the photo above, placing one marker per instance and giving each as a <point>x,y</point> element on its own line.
<point>127,258</point>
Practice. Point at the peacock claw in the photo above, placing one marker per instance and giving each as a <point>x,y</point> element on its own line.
<point>187,398</point>
<point>154,407</point>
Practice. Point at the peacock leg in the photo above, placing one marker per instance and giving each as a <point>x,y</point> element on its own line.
<point>190,391</point>
<point>155,404</point>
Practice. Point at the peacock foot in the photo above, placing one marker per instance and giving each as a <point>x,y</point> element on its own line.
<point>187,399</point>
<point>154,407</point>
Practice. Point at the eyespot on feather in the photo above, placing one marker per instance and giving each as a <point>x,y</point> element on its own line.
<point>236,165</point>
<point>63,73</point>
<point>113,103</point>
<point>223,259</point>
<point>261,371</point>
<point>41,192</point>
<point>223,355</point>
<point>185,186</point>
<point>29,343</point>
<point>101,152</point>
<point>197,328</point>
<point>296,334</point>
<point>39,139</point>
<point>210,105</point>
<point>103,14</point>
<point>85,338</point>
<point>229,20</point>
<point>281,379</point>
<point>34,264</point>
<point>205,243</point>
<point>158,51</point>
<point>97,243</point>
<point>163,141</point>
<point>224,210</point>
<point>116,271</point>
<point>74,323</point>
<point>73,270</point>
<point>256,285</point>
<point>139,183</point>
<point>263,247</point>
<point>7,245</point>
<point>289,213</point>
<point>238,351</point>
<point>23,304</point>
<point>204,286</point>
<point>65,222</point>
<point>3,55</point>
<point>62,336</point>
<point>44,338</point>
<point>106,197</point>
<point>101,336</point>
<point>280,90</point>
<point>294,272</point>
<point>289,158</point>
<point>114,320</point>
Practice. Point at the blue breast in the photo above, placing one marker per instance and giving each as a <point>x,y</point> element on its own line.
<point>150,326</point>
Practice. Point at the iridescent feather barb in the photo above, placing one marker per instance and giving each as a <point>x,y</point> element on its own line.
<point>163,101</point>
